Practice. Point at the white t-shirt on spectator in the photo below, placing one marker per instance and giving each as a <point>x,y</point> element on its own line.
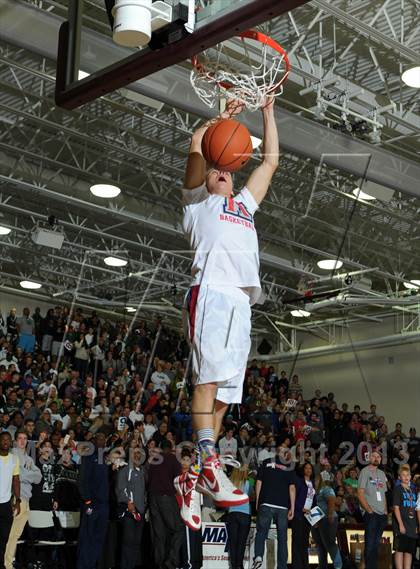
<point>310,495</point>
<point>66,422</point>
<point>44,388</point>
<point>134,416</point>
<point>149,431</point>
<point>160,380</point>
<point>222,234</point>
<point>228,446</point>
<point>264,454</point>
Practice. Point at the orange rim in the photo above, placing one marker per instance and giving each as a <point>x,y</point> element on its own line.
<point>262,38</point>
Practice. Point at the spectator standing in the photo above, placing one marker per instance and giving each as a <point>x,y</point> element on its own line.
<point>94,491</point>
<point>305,501</point>
<point>131,496</point>
<point>283,381</point>
<point>47,330</point>
<point>372,498</point>
<point>167,526</point>
<point>9,483</point>
<point>26,329</point>
<point>404,523</point>
<point>295,387</point>
<point>12,327</point>
<point>325,532</point>
<point>81,357</point>
<point>238,521</point>
<point>275,499</point>
<point>29,474</point>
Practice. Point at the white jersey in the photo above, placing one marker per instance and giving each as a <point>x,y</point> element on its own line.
<point>222,235</point>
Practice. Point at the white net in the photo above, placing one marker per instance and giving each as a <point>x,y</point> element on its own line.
<point>246,69</point>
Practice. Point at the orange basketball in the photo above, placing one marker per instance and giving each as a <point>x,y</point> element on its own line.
<point>227,145</point>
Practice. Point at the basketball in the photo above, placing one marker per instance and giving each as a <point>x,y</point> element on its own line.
<point>227,145</point>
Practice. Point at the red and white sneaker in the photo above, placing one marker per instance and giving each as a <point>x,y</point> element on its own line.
<point>214,482</point>
<point>189,500</point>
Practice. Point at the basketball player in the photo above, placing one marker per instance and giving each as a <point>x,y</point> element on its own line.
<point>220,228</point>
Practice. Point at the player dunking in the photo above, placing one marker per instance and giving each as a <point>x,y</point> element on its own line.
<point>221,231</point>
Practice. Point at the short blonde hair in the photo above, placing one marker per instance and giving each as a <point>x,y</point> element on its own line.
<point>404,468</point>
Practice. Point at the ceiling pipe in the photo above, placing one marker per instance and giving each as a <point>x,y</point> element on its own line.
<point>341,300</point>
<point>384,342</point>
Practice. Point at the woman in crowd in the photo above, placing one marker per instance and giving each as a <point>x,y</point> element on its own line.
<point>305,501</point>
<point>404,523</point>
<point>238,520</point>
<point>325,532</point>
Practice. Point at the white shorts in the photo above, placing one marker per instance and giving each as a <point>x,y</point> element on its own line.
<point>218,326</point>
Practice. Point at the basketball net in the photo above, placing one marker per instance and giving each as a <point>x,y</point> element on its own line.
<point>249,68</point>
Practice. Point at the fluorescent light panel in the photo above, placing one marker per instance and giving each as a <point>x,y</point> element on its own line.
<point>360,195</point>
<point>414,284</point>
<point>105,190</point>
<point>330,264</point>
<point>411,77</point>
<point>30,285</point>
<point>300,313</point>
<point>115,262</point>
<point>255,142</point>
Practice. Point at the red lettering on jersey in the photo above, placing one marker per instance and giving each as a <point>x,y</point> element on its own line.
<point>243,212</point>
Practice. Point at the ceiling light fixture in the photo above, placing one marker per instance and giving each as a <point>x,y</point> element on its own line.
<point>300,313</point>
<point>30,285</point>
<point>105,190</point>
<point>115,262</point>
<point>330,264</point>
<point>130,309</point>
<point>255,141</point>
<point>4,230</point>
<point>360,195</point>
<point>411,77</point>
<point>414,284</point>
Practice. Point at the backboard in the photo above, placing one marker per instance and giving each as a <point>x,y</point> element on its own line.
<point>194,26</point>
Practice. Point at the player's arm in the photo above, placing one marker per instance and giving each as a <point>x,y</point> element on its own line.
<point>195,173</point>
<point>260,178</point>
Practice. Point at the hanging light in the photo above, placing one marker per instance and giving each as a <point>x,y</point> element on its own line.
<point>30,285</point>
<point>105,190</point>
<point>330,264</point>
<point>411,76</point>
<point>115,262</point>
<point>300,313</point>
<point>414,284</point>
<point>4,230</point>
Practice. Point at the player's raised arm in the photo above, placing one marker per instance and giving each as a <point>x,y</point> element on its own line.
<point>195,173</point>
<point>260,178</point>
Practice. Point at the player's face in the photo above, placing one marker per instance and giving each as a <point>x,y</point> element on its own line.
<point>219,182</point>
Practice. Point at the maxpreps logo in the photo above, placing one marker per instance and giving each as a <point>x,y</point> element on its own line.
<point>214,535</point>
<point>236,212</point>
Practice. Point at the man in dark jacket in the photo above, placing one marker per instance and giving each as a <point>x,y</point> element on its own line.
<point>167,526</point>
<point>131,497</point>
<point>94,491</point>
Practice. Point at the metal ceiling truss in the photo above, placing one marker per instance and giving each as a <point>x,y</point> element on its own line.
<point>49,157</point>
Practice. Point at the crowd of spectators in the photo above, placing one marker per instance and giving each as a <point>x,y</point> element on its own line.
<point>67,379</point>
